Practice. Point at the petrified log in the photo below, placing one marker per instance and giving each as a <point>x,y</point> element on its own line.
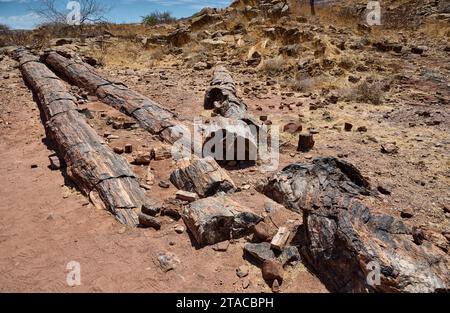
<point>345,241</point>
<point>222,98</point>
<point>96,170</point>
<point>218,219</point>
<point>152,116</point>
<point>230,140</point>
<point>203,176</point>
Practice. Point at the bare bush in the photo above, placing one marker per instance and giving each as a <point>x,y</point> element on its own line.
<point>92,11</point>
<point>273,65</point>
<point>4,28</point>
<point>368,92</point>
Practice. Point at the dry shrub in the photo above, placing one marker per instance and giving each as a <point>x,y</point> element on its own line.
<point>303,83</point>
<point>194,53</point>
<point>368,92</point>
<point>273,65</point>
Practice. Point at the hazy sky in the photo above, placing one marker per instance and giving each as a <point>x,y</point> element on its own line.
<point>19,14</point>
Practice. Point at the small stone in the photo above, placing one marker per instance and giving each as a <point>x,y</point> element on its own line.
<point>118,150</point>
<point>418,236</point>
<point>221,246</point>
<point>149,221</point>
<point>389,148</point>
<point>150,209</point>
<point>362,129</point>
<point>128,148</point>
<point>145,186</point>
<point>385,190</point>
<point>186,196</point>
<point>171,212</point>
<point>406,213</point>
<point>262,232</point>
<point>122,230</point>
<point>292,128</point>
<point>141,159</point>
<point>264,118</point>
<point>55,163</point>
<point>290,254</point>
<point>242,271</point>
<point>34,166</point>
<point>418,50</point>
<point>279,241</point>
<point>168,261</point>
<point>260,251</point>
<point>305,142</point>
<point>276,286</point>
<point>200,66</point>
<point>245,283</point>
<point>348,127</point>
<point>164,184</point>
<point>159,154</point>
<point>272,270</point>
<point>179,229</point>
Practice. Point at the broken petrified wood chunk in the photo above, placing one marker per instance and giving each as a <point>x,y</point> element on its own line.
<point>260,251</point>
<point>343,239</point>
<point>161,153</point>
<point>55,163</point>
<point>203,176</point>
<point>280,239</point>
<point>262,232</point>
<point>149,221</point>
<point>217,219</point>
<point>186,196</point>
<point>272,270</point>
<point>305,142</point>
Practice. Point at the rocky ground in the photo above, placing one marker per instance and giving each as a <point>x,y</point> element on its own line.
<point>377,97</point>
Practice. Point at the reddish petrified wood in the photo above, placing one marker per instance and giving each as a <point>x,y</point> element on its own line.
<point>91,164</point>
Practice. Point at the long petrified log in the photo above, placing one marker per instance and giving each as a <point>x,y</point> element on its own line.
<point>235,122</point>
<point>346,242</point>
<point>99,173</point>
<point>222,97</point>
<point>152,116</point>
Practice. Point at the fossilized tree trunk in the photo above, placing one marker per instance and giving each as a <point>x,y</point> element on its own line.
<point>152,116</point>
<point>96,170</point>
<point>235,124</point>
<point>346,242</point>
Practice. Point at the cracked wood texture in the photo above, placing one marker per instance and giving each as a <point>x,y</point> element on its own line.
<point>97,171</point>
<point>216,219</point>
<point>234,122</point>
<point>222,97</point>
<point>202,176</point>
<point>341,236</point>
<point>151,116</point>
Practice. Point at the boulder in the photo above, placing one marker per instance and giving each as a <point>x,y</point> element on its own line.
<point>218,219</point>
<point>344,240</point>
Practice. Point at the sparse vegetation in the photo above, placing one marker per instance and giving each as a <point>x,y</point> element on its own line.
<point>273,65</point>
<point>91,12</point>
<point>368,92</point>
<point>157,17</point>
<point>4,28</point>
